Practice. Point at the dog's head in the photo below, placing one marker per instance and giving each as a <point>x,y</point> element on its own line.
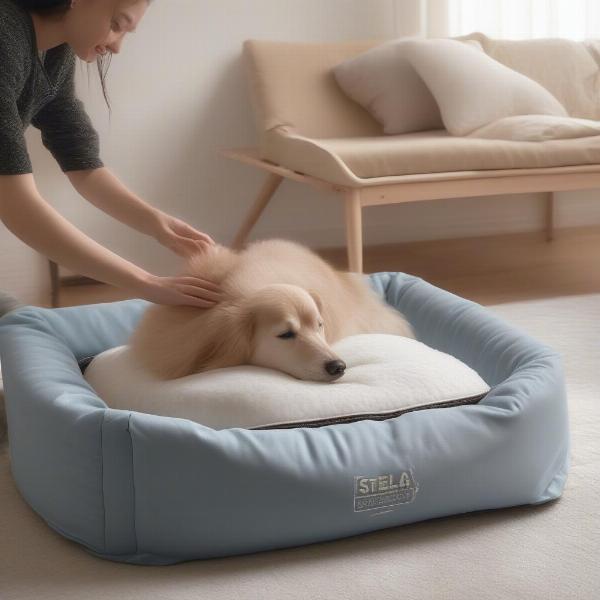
<point>288,333</point>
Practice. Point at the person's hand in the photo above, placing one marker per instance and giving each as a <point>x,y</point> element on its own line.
<point>179,290</point>
<point>180,237</point>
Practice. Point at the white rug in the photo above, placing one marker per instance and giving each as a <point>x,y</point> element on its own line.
<point>549,552</point>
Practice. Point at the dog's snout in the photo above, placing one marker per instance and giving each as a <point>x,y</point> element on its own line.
<point>335,367</point>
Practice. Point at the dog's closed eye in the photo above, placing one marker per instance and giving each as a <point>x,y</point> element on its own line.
<point>292,334</point>
<point>287,335</point>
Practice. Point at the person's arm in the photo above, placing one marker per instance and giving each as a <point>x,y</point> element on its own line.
<point>35,222</point>
<point>102,189</point>
<point>106,192</point>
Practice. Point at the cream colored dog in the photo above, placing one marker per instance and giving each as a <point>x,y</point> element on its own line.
<point>282,308</point>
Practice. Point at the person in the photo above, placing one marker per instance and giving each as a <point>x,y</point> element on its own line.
<point>39,43</point>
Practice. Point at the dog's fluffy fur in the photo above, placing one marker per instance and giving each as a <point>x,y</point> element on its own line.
<point>271,289</point>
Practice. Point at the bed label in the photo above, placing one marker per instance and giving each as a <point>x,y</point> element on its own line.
<point>382,491</point>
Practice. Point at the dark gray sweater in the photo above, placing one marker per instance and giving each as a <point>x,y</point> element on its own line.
<point>43,94</point>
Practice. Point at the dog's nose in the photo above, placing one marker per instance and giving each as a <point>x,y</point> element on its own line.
<point>335,367</point>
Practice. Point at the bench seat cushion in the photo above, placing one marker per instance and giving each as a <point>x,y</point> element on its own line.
<point>365,160</point>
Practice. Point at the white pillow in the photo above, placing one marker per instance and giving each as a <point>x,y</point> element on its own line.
<point>537,128</point>
<point>383,82</point>
<point>472,89</point>
<point>385,374</point>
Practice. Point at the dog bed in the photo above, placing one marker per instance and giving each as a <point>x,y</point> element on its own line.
<point>149,489</point>
<point>386,375</point>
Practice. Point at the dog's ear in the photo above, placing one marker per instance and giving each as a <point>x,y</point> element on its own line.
<point>315,296</point>
<point>165,340</point>
<point>176,341</point>
<point>226,339</point>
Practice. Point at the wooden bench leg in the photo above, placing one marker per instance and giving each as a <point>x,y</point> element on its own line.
<point>549,216</point>
<point>354,244</point>
<point>268,189</point>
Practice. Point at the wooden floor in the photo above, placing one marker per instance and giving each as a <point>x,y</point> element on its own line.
<point>488,270</point>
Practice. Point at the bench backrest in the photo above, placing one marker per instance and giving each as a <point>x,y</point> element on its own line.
<point>292,84</point>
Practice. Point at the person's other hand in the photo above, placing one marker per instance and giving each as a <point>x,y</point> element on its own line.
<point>180,237</point>
<point>180,290</point>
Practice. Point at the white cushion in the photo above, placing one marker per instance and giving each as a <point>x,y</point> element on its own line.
<point>537,128</point>
<point>472,89</point>
<point>383,82</point>
<point>385,374</point>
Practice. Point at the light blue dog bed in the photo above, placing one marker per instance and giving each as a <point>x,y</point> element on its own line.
<point>144,489</point>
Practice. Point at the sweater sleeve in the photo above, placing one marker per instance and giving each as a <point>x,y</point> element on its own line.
<point>14,158</point>
<point>66,128</point>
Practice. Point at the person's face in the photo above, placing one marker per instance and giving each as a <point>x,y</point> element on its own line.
<point>96,27</point>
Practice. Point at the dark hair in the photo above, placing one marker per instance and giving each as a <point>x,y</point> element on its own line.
<point>45,6</point>
<point>60,7</point>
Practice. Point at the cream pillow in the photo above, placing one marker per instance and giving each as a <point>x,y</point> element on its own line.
<point>472,89</point>
<point>546,60</point>
<point>383,82</point>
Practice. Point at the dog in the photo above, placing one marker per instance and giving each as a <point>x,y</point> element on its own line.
<point>282,308</point>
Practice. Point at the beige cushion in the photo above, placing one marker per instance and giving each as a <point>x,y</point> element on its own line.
<point>384,83</point>
<point>537,128</point>
<point>373,160</point>
<point>472,89</point>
